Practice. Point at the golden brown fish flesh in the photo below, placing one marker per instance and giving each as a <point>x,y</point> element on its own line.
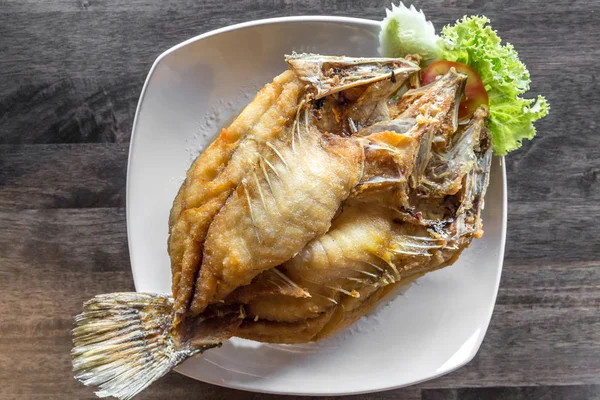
<point>338,182</point>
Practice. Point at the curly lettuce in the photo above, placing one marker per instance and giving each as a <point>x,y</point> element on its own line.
<point>473,42</point>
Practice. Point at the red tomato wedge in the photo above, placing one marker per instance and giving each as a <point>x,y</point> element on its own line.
<point>475,93</point>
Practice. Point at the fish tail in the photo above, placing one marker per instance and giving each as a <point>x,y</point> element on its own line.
<point>123,343</point>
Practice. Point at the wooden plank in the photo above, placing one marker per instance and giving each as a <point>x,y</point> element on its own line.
<point>555,286</point>
<point>36,243</point>
<point>63,176</point>
<point>571,174</point>
<point>320,7</point>
<point>569,227</point>
<point>48,108</point>
<point>580,392</point>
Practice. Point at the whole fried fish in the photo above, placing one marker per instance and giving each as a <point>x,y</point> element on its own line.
<point>329,189</point>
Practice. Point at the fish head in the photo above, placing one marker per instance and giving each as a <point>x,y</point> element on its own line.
<point>331,74</point>
<point>348,94</point>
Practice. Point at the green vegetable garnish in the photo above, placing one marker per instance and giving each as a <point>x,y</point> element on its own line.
<point>473,42</point>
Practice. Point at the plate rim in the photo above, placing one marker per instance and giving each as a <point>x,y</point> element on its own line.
<point>308,18</point>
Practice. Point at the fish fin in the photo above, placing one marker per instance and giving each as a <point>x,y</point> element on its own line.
<point>332,74</point>
<point>278,154</point>
<point>249,202</point>
<point>422,158</point>
<point>269,282</point>
<point>475,186</point>
<point>123,343</point>
<point>272,168</point>
<point>284,284</point>
<point>266,175</point>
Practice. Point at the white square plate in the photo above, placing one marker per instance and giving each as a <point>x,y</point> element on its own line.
<point>193,90</point>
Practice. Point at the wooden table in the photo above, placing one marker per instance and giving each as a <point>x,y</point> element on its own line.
<point>70,76</point>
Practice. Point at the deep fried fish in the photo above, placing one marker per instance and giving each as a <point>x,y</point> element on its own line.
<point>328,190</point>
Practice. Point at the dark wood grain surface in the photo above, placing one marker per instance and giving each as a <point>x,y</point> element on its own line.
<point>70,76</point>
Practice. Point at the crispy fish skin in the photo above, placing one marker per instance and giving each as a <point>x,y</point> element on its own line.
<point>325,262</point>
<point>370,248</point>
<point>290,196</point>
<point>364,255</point>
<point>217,172</point>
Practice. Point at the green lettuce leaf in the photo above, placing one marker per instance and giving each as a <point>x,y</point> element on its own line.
<point>472,41</point>
<point>512,121</point>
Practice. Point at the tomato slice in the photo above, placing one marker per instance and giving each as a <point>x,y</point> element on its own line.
<point>475,93</point>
